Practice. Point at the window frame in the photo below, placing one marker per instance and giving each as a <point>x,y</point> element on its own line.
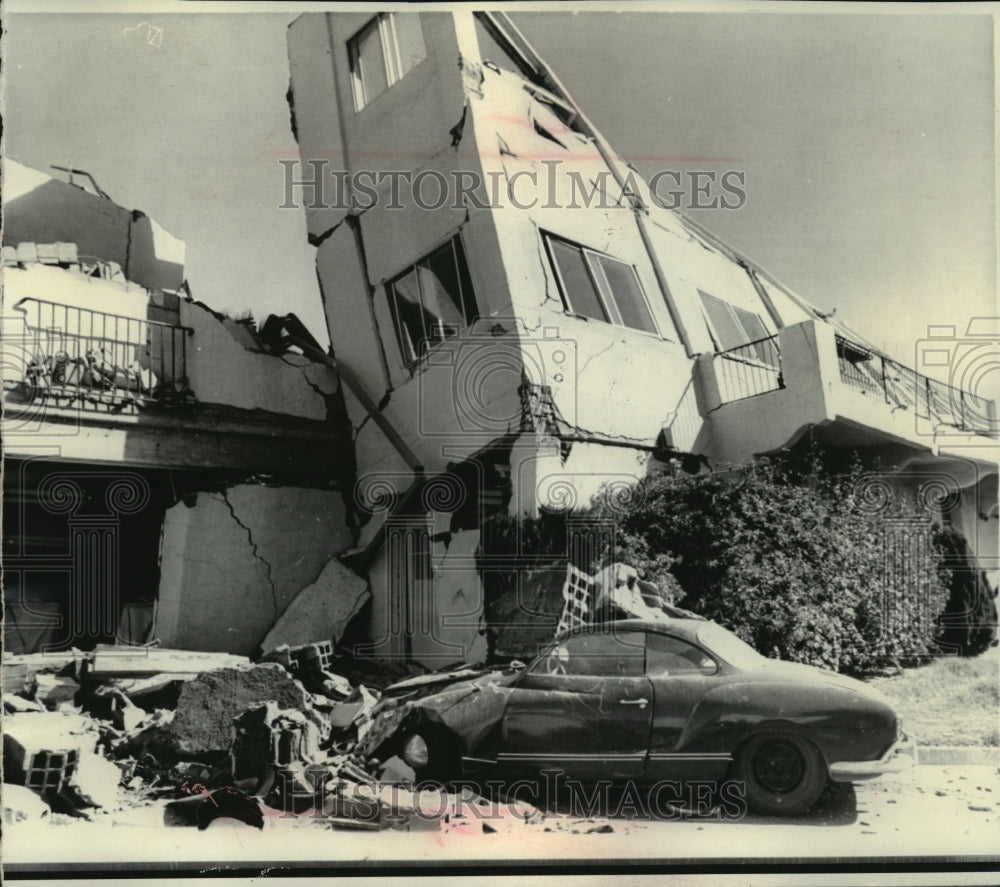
<point>612,312</point>
<point>385,25</point>
<point>694,672</point>
<point>409,350</point>
<point>749,340</point>
<point>600,631</point>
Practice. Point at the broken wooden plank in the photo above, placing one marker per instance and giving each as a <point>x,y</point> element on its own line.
<point>111,661</point>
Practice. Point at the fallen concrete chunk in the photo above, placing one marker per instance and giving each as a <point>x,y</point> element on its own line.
<point>125,714</point>
<point>21,804</point>
<point>111,661</point>
<point>18,670</point>
<point>353,710</point>
<point>52,690</point>
<point>266,738</point>
<point>398,771</point>
<point>207,705</point>
<point>320,611</point>
<point>14,704</point>
<point>154,740</point>
<point>94,783</point>
<point>311,664</point>
<point>41,750</point>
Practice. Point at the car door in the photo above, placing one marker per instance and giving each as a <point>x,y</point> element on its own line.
<point>681,673</point>
<point>583,707</point>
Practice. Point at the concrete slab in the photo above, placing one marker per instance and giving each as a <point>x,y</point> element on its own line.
<point>322,610</point>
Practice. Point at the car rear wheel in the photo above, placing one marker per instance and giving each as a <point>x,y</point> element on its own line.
<point>784,774</point>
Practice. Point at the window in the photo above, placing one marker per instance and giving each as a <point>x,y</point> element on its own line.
<point>597,654</point>
<point>383,52</point>
<point>731,327</point>
<point>432,301</point>
<point>670,656</point>
<point>595,285</point>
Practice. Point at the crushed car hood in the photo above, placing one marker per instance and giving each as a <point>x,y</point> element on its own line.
<point>468,702</point>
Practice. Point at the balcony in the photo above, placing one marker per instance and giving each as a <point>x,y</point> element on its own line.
<point>903,388</point>
<point>763,396</point>
<point>74,358</point>
<point>749,370</point>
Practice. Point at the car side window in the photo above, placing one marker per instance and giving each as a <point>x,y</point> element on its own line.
<point>597,654</point>
<point>670,656</point>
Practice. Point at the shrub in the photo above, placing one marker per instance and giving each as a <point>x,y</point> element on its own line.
<point>804,564</point>
<point>969,622</point>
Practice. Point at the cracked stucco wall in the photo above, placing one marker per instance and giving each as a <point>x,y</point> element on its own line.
<point>231,562</point>
<point>448,611</point>
<point>222,371</point>
<point>41,209</point>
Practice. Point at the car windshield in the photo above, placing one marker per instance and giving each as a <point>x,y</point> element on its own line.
<point>728,646</point>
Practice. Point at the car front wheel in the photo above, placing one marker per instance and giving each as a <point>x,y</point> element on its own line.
<point>784,775</point>
<point>433,754</point>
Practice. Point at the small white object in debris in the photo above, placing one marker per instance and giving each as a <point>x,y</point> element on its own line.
<point>21,804</point>
<point>14,704</point>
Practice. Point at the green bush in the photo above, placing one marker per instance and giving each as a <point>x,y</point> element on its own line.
<point>804,564</point>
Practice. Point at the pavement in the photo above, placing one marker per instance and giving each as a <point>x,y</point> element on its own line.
<point>950,754</point>
<point>930,813</point>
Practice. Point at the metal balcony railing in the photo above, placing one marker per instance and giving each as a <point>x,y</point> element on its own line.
<point>905,388</point>
<point>749,370</point>
<point>684,423</point>
<point>95,361</point>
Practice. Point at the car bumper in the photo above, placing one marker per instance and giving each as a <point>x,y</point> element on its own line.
<point>901,756</point>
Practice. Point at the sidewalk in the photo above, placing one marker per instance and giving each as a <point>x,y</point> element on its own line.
<point>957,754</point>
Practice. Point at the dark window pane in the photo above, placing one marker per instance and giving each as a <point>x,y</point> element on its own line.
<point>440,290</point>
<point>433,301</point>
<point>468,294</point>
<point>606,654</point>
<point>668,657</point>
<point>579,288</point>
<point>626,293</point>
<point>753,326</point>
<point>765,349</point>
<point>370,61</point>
<point>722,324</point>
<point>408,314</point>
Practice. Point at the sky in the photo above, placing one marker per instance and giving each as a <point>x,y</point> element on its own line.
<point>866,141</point>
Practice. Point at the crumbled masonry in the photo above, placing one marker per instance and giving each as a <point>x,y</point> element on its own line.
<point>213,739</point>
<point>212,736</point>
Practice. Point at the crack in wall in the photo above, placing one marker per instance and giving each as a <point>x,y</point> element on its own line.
<point>355,608</point>
<point>254,551</point>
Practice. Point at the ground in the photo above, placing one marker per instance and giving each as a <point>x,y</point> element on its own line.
<point>949,701</point>
<point>927,812</point>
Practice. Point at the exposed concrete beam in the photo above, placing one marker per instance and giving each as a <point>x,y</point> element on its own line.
<point>207,438</point>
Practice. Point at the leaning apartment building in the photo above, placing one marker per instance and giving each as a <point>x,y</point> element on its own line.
<point>490,352</point>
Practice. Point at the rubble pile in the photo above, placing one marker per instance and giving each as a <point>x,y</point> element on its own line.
<point>210,737</point>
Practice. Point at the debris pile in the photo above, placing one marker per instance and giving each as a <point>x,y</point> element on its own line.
<point>210,737</point>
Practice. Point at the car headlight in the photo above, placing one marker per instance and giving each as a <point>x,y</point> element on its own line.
<point>415,751</point>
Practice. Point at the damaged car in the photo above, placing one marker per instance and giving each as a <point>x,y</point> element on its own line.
<point>647,701</point>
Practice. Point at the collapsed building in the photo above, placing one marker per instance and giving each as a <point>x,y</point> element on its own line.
<point>158,454</point>
<point>180,477</point>
<point>182,480</point>
<point>502,353</point>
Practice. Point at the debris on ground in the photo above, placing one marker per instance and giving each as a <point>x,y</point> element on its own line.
<point>21,804</point>
<point>209,739</point>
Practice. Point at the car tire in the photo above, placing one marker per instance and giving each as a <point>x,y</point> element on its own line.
<point>784,774</point>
